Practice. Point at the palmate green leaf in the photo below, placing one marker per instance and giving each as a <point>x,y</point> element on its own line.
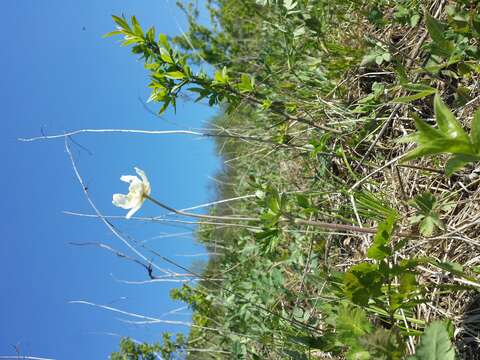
<point>436,30</point>
<point>408,285</point>
<point>432,141</point>
<point>425,202</point>
<point>384,344</point>
<point>363,282</point>
<point>351,324</point>
<point>435,344</point>
<point>429,224</point>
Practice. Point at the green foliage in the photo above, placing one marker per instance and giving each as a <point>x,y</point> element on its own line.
<point>380,248</point>
<point>448,138</point>
<point>131,350</point>
<point>435,344</point>
<point>427,216</point>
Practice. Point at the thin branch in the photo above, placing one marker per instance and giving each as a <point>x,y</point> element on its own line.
<point>160,132</point>
<point>156,219</point>
<point>128,131</point>
<point>144,318</point>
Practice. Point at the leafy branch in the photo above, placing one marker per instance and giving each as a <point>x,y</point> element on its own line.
<point>170,74</point>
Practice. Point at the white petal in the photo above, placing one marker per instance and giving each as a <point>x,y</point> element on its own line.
<point>121,201</point>
<point>136,188</point>
<point>146,184</point>
<point>133,210</point>
<point>130,178</point>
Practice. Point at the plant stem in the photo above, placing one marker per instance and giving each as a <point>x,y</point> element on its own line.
<point>199,216</point>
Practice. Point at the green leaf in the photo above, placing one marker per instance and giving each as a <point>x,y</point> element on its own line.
<point>164,54</point>
<point>450,138</point>
<point>245,84</point>
<point>136,27</point>
<point>363,282</point>
<point>379,249</point>
<point>436,30</point>
<point>408,285</point>
<point>351,324</point>
<point>447,123</point>
<point>352,321</point>
<point>475,132</point>
<point>368,59</point>
<point>175,75</point>
<point>371,206</point>
<point>121,22</point>
<point>417,96</point>
<point>425,202</point>
<point>435,343</point>
<point>164,107</point>
<point>113,33</point>
<point>427,226</point>
<point>163,40</point>
<point>384,344</point>
<point>450,266</point>
<point>302,201</point>
<point>457,162</point>
<point>273,201</point>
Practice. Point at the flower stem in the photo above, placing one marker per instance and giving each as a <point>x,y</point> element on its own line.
<point>199,216</point>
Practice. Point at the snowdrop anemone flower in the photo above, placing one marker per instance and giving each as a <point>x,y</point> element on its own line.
<point>137,193</point>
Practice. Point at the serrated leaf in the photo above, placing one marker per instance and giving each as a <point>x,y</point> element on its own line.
<point>362,282</point>
<point>425,202</point>
<point>427,226</point>
<point>435,344</point>
<point>408,285</point>
<point>384,344</point>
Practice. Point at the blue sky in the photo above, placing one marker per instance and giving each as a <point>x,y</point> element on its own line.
<point>56,77</point>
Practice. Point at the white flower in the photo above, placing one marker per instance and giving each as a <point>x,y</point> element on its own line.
<point>137,191</point>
